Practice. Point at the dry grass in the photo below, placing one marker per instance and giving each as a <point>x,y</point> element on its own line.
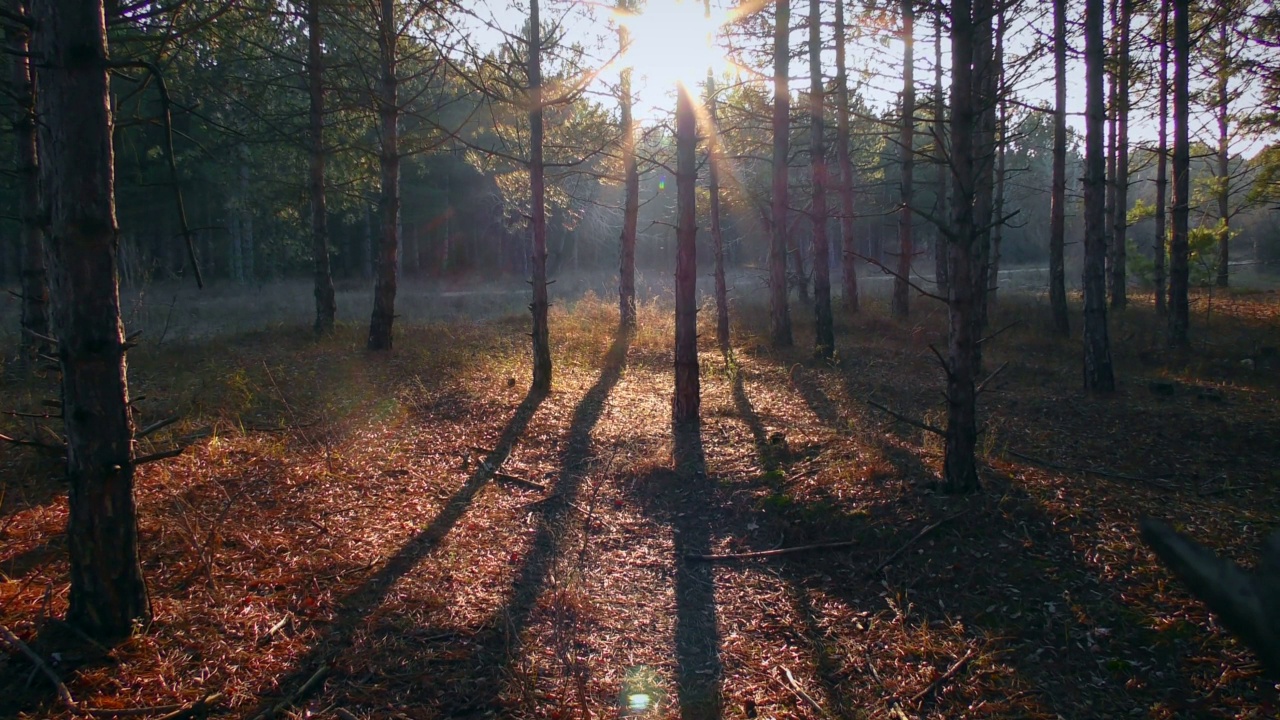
<point>352,496</point>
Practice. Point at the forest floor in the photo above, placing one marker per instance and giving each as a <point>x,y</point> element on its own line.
<point>412,535</point>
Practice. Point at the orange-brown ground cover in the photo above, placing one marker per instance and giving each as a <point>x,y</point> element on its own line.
<point>375,524</point>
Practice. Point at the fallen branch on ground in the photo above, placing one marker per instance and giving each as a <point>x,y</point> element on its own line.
<point>943,677</point>
<point>498,475</point>
<point>307,688</point>
<point>14,642</point>
<point>771,553</point>
<point>903,418</point>
<point>928,529</point>
<point>1091,471</point>
<point>171,712</point>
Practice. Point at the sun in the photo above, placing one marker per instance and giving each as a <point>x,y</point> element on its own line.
<point>672,44</point>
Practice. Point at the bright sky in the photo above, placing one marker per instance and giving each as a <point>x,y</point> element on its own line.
<point>670,44</point>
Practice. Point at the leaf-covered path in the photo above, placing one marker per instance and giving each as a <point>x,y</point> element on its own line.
<point>414,536</point>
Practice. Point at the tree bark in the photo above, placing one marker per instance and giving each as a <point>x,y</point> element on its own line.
<point>825,339</point>
<point>1162,163</point>
<point>1098,376</point>
<point>631,197</point>
<point>848,261</point>
<point>34,279</point>
<point>108,594</point>
<point>388,273</point>
<point>1058,210</point>
<point>1120,228</point>
<point>687,395</point>
<point>538,186</point>
<point>997,215</point>
<point>960,469</point>
<point>984,151</point>
<point>901,302</point>
<point>779,313</point>
<point>1179,310</point>
<point>1224,158</point>
<point>1109,72</point>
<point>940,160</point>
<point>326,305</point>
<point>717,235</point>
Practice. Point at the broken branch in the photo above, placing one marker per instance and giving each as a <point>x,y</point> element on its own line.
<point>14,642</point>
<point>928,529</point>
<point>910,421</point>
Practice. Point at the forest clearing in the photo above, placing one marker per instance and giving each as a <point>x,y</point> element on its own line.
<point>416,535</point>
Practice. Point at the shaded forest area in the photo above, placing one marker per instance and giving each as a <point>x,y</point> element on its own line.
<point>848,360</point>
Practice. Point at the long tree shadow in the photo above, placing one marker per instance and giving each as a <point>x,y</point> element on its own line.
<point>699,670</point>
<point>747,412</point>
<point>358,605</point>
<point>496,652</point>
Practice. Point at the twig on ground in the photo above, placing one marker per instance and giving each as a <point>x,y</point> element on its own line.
<point>196,707</point>
<point>14,642</point>
<point>950,673</point>
<point>928,529</point>
<point>795,687</point>
<point>499,475</point>
<point>156,426</point>
<point>153,457</point>
<point>266,638</point>
<point>307,688</point>
<point>903,418</point>
<point>1153,482</point>
<point>983,385</point>
<point>171,712</point>
<point>29,443</point>
<point>771,553</point>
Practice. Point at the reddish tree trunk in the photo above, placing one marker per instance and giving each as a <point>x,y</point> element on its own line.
<point>1057,210</point>
<point>687,395</point>
<point>901,304</point>
<point>779,313</point>
<point>631,198</point>
<point>35,281</point>
<point>1162,163</point>
<point>717,236</point>
<point>940,160</point>
<point>825,339</point>
<point>326,305</point>
<point>538,186</point>
<point>384,290</point>
<point>107,591</point>
<point>1098,376</point>
<point>848,260</point>
<point>1179,309</point>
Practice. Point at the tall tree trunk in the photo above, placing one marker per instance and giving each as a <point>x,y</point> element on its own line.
<point>940,159</point>
<point>714,158</point>
<point>825,339</point>
<point>848,264</point>
<point>960,468</point>
<point>1120,228</point>
<point>779,313</point>
<point>985,91</point>
<point>1109,72</point>
<point>35,281</point>
<point>901,303</point>
<point>997,215</point>
<point>538,186</point>
<point>1162,162</point>
<point>631,197</point>
<point>687,395</point>
<point>1179,310</point>
<point>384,288</point>
<point>1058,210</point>
<point>326,305</point>
<point>1098,376</point>
<point>72,92</point>
<point>1224,158</point>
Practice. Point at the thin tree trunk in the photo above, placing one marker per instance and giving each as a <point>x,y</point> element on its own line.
<point>713,190</point>
<point>1119,231</point>
<point>940,160</point>
<point>825,339</point>
<point>848,261</point>
<point>537,184</point>
<point>35,281</point>
<point>960,469</point>
<point>631,198</point>
<point>901,303</point>
<point>1109,63</point>
<point>326,305</point>
<point>384,289</point>
<point>1057,210</point>
<point>1224,160</point>
<point>72,92</point>
<point>687,394</point>
<point>779,313</point>
<point>1098,376</point>
<point>1179,310</point>
<point>985,91</point>
<point>1162,163</point>
<point>1002,143</point>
